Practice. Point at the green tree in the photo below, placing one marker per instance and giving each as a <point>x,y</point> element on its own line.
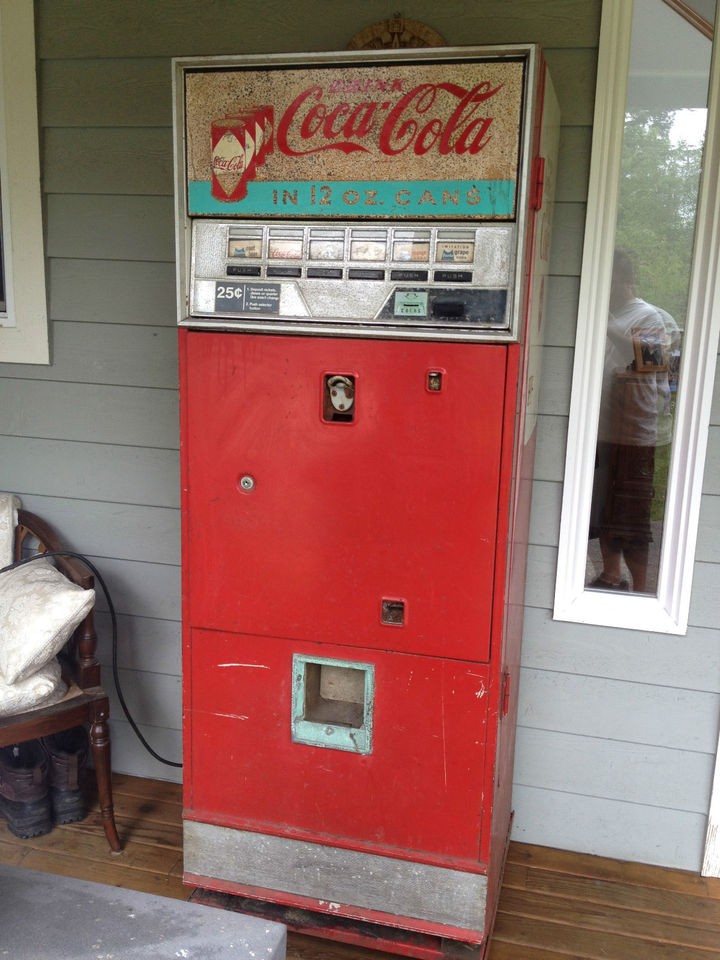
<point>657,204</point>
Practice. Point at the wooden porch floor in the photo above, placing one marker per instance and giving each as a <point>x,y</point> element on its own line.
<point>554,905</point>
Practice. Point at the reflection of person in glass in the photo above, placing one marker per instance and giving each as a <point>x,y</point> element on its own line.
<point>635,418</point>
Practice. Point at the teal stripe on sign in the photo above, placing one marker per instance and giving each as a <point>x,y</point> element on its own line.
<point>368,198</point>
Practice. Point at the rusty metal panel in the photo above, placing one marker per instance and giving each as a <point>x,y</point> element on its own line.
<point>339,879</point>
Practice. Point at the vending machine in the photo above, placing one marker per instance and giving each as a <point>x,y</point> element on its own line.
<point>362,245</point>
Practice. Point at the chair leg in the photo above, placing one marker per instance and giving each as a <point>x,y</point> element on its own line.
<point>100,746</point>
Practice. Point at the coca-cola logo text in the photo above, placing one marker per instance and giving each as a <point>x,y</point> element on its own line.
<point>443,117</point>
<point>228,164</point>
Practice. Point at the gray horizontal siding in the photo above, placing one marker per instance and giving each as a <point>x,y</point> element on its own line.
<point>615,770</point>
<point>660,715</point>
<point>103,93</point>
<point>712,470</point>
<point>93,413</point>
<point>147,534</point>
<point>91,470</point>
<point>705,603</point>
<point>586,650</point>
<point>112,291</point>
<point>153,699</point>
<point>551,442</point>
<point>76,160</point>
<point>610,828</point>
<point>73,28</point>
<point>563,294</point>
<point>128,755</point>
<point>708,545</point>
<point>89,227</point>
<point>110,354</point>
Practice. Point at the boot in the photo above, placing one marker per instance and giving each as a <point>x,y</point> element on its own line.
<point>67,753</point>
<point>24,792</point>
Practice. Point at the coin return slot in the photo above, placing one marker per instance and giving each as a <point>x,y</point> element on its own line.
<point>393,612</point>
<point>448,308</point>
<point>332,703</point>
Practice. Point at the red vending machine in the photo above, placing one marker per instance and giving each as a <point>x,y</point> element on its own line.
<point>362,245</point>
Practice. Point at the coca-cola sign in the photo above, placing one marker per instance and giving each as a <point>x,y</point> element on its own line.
<point>311,124</point>
<point>400,140</point>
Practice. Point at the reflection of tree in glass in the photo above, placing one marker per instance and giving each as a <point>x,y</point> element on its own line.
<point>659,183</point>
<point>657,205</point>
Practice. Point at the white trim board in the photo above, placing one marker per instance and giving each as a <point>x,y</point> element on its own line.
<point>23,326</point>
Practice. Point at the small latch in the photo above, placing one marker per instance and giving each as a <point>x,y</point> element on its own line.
<point>505,694</point>
<point>537,185</point>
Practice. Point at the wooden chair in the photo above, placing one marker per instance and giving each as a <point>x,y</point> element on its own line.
<point>85,702</point>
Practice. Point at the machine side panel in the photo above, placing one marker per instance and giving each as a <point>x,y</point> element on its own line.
<point>184,502</point>
<point>546,126</point>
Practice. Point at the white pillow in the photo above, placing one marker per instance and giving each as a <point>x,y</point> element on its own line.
<point>39,609</point>
<point>39,690</point>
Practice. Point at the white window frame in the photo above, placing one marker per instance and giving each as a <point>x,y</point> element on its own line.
<point>24,323</point>
<point>668,611</point>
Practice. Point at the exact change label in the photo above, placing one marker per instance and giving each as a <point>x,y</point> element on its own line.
<point>410,303</point>
<point>247,298</point>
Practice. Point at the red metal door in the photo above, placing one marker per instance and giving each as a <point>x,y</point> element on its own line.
<point>417,791</point>
<point>302,528</point>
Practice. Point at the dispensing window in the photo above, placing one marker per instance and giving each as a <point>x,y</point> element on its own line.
<point>332,703</point>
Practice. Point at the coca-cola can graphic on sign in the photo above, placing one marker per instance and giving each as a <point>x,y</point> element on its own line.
<point>239,144</point>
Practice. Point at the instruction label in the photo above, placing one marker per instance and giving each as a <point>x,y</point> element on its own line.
<point>234,297</point>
